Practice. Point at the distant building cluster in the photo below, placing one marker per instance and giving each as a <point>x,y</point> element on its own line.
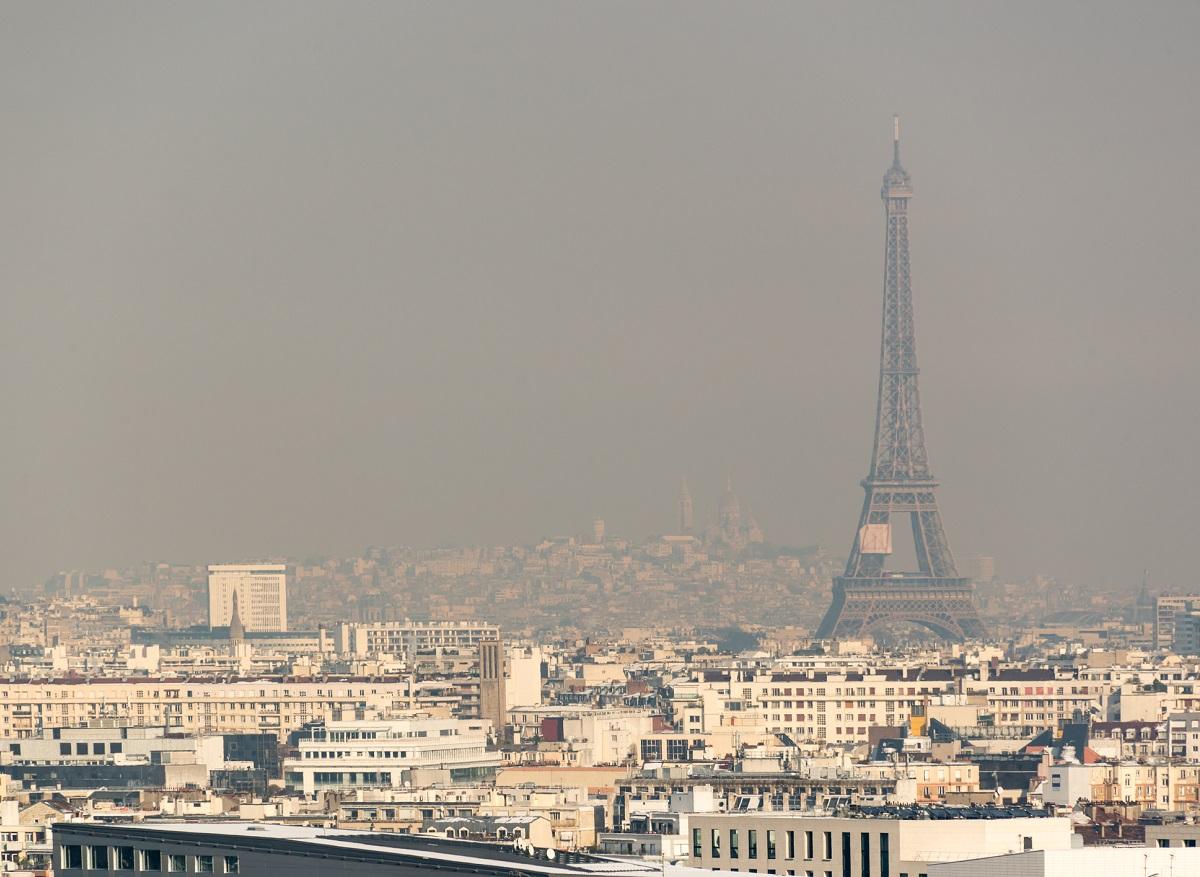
<point>130,736</point>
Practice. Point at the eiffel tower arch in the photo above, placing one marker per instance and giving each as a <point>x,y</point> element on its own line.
<point>867,595</point>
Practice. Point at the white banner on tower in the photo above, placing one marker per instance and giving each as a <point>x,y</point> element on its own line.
<point>875,539</point>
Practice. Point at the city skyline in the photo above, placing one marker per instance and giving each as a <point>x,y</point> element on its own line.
<point>431,429</point>
<point>435,278</point>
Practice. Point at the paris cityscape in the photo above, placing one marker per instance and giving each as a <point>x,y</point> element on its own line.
<point>432,448</point>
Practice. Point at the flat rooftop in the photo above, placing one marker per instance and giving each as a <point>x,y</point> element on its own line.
<point>913,812</point>
<point>402,849</point>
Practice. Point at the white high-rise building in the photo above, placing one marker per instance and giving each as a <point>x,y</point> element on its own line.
<point>261,590</point>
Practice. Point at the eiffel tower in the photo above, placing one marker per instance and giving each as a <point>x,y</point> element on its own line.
<point>867,595</point>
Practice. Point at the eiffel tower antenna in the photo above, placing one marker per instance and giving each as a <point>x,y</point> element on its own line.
<point>899,482</point>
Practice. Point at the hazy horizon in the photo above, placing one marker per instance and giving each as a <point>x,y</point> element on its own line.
<point>294,279</point>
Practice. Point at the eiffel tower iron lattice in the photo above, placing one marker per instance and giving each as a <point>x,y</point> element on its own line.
<point>867,595</point>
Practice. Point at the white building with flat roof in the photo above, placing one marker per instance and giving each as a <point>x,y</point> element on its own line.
<point>384,753</point>
<point>261,592</point>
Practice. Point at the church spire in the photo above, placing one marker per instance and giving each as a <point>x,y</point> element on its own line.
<point>237,632</point>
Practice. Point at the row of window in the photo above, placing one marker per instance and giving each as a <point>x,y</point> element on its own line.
<point>789,850</point>
<point>104,858</point>
<point>48,694</point>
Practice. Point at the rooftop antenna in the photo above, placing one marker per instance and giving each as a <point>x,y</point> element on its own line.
<point>896,140</point>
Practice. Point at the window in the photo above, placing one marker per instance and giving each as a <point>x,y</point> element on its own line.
<point>845,854</point>
<point>231,864</point>
<point>885,865</point>
<point>97,749</point>
<point>864,845</point>
<point>72,856</point>
<point>98,858</point>
<point>64,748</point>
<point>1189,842</point>
<point>791,845</point>
<point>715,842</point>
<point>697,844</point>
<point>770,843</point>
<point>733,843</point>
<point>176,862</point>
<point>81,749</point>
<point>151,860</point>
<point>752,843</point>
<point>204,864</point>
<point>1162,842</point>
<point>123,858</point>
<point>828,848</point>
<point>808,844</point>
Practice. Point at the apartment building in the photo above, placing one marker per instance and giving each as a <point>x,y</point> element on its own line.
<point>1166,608</point>
<point>573,818</point>
<point>390,753</point>
<point>1153,702</point>
<point>835,707</point>
<point>408,638</point>
<point>194,706</point>
<point>924,782</point>
<point>595,735</point>
<point>1161,786</point>
<point>1040,698</point>
<point>259,590</point>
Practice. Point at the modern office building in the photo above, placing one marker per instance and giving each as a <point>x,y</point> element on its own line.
<point>258,590</point>
<point>268,850</point>
<point>386,753</point>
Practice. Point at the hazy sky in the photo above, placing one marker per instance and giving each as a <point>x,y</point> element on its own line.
<point>286,278</point>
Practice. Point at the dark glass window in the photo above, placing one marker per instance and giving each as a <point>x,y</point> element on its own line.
<point>151,860</point>
<point>123,858</point>
<point>98,858</point>
<point>72,856</point>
